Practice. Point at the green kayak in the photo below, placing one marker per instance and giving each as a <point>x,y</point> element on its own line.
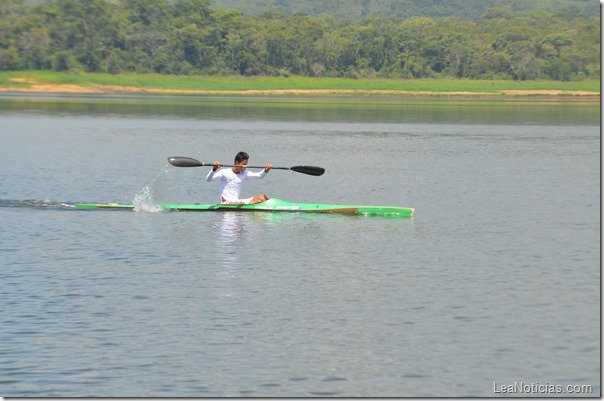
<point>272,205</point>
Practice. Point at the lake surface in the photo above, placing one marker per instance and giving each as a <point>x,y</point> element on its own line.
<point>494,282</point>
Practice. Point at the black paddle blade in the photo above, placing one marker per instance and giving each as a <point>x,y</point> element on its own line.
<point>184,162</point>
<point>310,170</point>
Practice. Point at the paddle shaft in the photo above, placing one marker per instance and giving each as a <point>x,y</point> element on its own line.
<point>189,162</point>
<point>240,165</point>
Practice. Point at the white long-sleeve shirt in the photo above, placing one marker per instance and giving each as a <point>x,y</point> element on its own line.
<point>231,183</point>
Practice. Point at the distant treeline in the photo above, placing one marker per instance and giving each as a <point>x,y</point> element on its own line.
<point>189,37</point>
<point>357,10</point>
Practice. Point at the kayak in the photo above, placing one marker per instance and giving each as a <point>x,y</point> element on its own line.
<point>271,205</point>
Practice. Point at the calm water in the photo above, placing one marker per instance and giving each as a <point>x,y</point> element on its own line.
<point>495,281</point>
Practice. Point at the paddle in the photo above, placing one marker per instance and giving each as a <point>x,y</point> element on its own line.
<point>189,162</point>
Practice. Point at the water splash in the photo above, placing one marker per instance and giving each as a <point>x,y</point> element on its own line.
<point>149,198</point>
<point>145,201</point>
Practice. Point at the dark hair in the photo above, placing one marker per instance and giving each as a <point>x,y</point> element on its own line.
<point>241,156</point>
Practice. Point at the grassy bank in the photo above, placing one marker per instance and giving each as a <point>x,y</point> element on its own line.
<point>47,81</point>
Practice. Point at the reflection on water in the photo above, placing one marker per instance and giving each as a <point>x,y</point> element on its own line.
<point>232,232</point>
<point>231,227</point>
<point>237,233</point>
<point>409,110</point>
<point>229,232</point>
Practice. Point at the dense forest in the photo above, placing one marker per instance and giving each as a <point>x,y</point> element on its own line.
<point>357,10</point>
<point>190,37</point>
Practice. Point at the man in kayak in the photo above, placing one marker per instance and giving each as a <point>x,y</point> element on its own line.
<point>231,180</point>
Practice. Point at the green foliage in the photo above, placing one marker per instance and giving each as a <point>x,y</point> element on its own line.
<point>188,37</point>
<point>356,10</point>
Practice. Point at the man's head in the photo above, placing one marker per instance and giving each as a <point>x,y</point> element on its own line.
<point>241,156</point>
<point>240,160</point>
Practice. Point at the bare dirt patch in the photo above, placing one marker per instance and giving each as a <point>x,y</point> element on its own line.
<point>550,92</point>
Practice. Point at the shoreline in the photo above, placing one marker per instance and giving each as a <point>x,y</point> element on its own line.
<point>24,85</point>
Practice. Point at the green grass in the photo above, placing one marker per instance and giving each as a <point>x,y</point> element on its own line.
<point>238,83</point>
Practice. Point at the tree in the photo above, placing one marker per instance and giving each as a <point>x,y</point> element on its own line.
<point>517,47</point>
<point>557,41</point>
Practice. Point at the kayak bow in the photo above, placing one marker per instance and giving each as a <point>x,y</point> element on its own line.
<point>271,205</point>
